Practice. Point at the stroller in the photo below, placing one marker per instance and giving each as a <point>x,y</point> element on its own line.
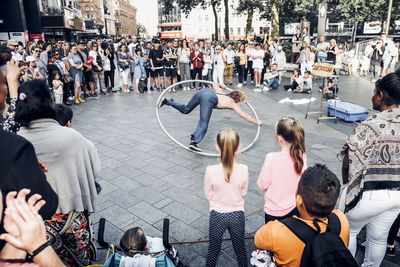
<point>167,258</point>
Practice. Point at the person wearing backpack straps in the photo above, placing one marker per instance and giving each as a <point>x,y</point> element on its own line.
<point>320,236</point>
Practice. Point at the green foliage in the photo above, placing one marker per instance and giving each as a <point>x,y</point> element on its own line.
<point>141,29</point>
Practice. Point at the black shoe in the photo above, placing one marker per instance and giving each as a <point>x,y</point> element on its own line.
<point>162,103</point>
<point>86,95</point>
<point>390,251</point>
<point>103,93</point>
<point>151,88</point>
<point>193,146</point>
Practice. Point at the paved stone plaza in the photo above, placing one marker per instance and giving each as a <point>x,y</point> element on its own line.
<point>146,177</point>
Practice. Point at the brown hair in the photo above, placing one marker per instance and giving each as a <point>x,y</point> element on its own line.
<point>134,241</point>
<point>291,130</point>
<point>237,96</point>
<point>228,142</point>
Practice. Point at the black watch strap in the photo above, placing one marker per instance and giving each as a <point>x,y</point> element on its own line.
<point>30,257</point>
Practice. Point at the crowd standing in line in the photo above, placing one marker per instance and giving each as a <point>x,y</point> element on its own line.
<point>51,169</point>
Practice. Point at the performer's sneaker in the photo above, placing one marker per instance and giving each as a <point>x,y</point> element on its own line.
<point>193,146</point>
<point>162,103</point>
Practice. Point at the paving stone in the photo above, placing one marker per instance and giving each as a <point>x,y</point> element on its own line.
<point>183,232</point>
<point>111,163</point>
<point>147,213</point>
<point>108,174</point>
<point>118,216</point>
<point>125,183</point>
<point>123,199</point>
<point>128,171</point>
<point>148,195</point>
<point>181,212</point>
<point>162,203</point>
<point>106,187</point>
<point>155,171</point>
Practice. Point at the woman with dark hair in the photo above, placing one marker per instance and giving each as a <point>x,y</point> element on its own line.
<point>76,66</point>
<point>242,67</point>
<point>371,171</point>
<point>184,62</point>
<point>73,164</point>
<point>108,66</point>
<point>266,60</point>
<point>123,68</point>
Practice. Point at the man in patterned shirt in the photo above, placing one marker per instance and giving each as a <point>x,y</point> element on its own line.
<point>171,63</point>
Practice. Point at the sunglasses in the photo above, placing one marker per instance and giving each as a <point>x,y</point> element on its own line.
<point>37,51</point>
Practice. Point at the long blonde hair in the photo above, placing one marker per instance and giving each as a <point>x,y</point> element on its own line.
<point>228,142</point>
<point>291,130</point>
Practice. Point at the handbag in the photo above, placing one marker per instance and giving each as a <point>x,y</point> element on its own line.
<point>89,60</point>
<point>68,78</point>
<point>122,66</point>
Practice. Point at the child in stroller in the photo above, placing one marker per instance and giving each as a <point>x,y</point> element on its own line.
<point>138,250</point>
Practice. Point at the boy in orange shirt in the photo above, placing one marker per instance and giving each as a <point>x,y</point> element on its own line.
<point>317,195</point>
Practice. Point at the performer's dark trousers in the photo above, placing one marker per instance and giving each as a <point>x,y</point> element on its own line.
<point>208,101</point>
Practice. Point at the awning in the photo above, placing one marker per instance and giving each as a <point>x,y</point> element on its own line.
<point>169,24</point>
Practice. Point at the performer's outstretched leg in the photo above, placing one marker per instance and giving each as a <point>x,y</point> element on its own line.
<point>185,109</point>
<point>208,102</point>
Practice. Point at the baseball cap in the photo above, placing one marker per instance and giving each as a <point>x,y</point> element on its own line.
<point>5,49</point>
<point>12,42</point>
<point>30,59</point>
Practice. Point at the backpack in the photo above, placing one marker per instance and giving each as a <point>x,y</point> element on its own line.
<point>326,249</point>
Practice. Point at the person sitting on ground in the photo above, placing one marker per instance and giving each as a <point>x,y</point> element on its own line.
<point>281,171</point>
<point>26,233</point>
<point>72,177</point>
<point>64,115</point>
<point>295,81</point>
<point>141,250</point>
<point>316,197</point>
<point>271,80</point>
<point>331,88</point>
<point>225,185</point>
<point>306,85</point>
<point>208,100</point>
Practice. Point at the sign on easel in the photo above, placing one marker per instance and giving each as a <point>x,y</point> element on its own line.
<point>323,69</point>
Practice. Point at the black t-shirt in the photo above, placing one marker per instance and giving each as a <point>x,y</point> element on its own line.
<point>154,54</point>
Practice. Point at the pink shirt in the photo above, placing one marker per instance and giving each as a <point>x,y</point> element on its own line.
<point>279,179</point>
<point>226,197</point>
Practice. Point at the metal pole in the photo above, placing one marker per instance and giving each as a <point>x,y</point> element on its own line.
<point>388,17</point>
<point>353,37</point>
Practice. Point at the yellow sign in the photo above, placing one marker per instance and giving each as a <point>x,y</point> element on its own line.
<point>323,69</point>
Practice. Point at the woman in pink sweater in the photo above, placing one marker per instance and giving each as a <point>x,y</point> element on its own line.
<point>282,170</point>
<point>225,185</point>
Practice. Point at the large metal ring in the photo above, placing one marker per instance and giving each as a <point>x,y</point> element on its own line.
<point>187,148</point>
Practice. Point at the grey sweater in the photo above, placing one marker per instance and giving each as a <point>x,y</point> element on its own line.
<point>72,161</point>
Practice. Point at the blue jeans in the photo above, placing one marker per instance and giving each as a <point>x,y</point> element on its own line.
<point>274,83</point>
<point>208,101</point>
<point>321,59</point>
<point>332,89</point>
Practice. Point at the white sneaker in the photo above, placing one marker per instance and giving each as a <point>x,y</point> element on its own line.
<point>244,83</point>
<point>239,85</point>
<point>290,90</point>
<point>257,90</point>
<point>252,82</point>
<point>184,88</point>
<point>267,89</point>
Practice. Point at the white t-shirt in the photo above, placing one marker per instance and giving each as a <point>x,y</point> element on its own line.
<point>307,82</point>
<point>250,52</point>
<point>258,63</point>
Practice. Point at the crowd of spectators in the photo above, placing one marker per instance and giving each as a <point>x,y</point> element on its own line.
<point>50,169</point>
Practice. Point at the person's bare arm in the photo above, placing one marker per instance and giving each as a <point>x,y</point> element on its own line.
<point>243,114</point>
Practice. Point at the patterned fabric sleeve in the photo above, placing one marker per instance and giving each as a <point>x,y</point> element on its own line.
<point>10,125</point>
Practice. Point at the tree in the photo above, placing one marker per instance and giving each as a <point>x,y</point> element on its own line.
<point>141,29</point>
<point>249,7</point>
<point>226,19</point>
<point>187,6</point>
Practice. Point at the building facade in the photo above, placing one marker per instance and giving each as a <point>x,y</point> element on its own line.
<point>125,17</point>
<point>93,13</point>
<point>200,23</point>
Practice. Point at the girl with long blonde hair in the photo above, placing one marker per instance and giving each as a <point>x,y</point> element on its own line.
<point>225,185</point>
<point>282,170</point>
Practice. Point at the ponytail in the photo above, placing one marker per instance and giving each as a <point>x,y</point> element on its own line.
<point>291,130</point>
<point>228,143</point>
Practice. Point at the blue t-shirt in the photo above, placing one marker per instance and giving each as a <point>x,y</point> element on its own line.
<point>322,45</point>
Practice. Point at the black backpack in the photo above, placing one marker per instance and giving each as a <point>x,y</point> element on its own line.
<point>326,249</point>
